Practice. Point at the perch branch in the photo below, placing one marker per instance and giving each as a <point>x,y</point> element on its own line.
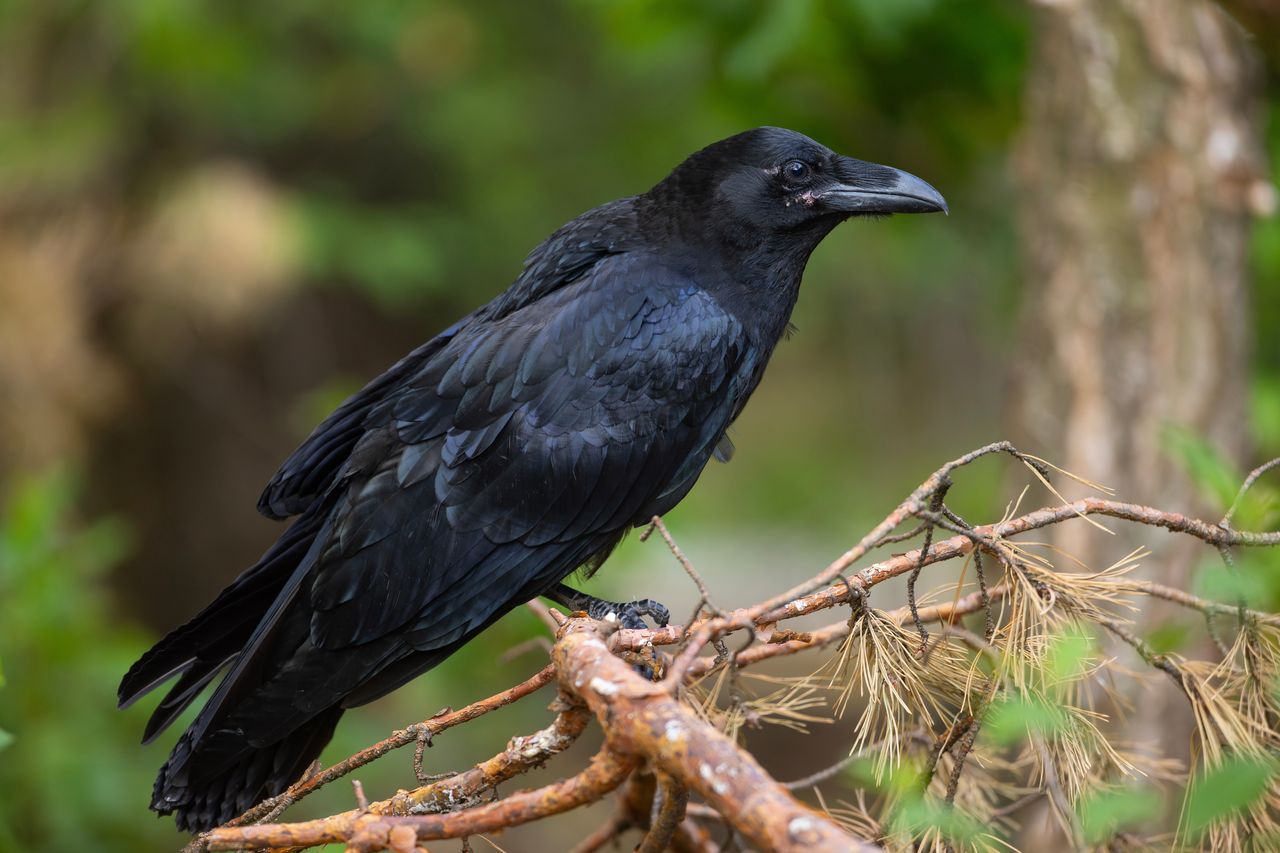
<point>641,718</point>
<point>424,730</point>
<point>606,772</point>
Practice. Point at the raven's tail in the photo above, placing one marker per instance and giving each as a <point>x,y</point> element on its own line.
<point>217,769</point>
<point>214,637</point>
<point>202,799</point>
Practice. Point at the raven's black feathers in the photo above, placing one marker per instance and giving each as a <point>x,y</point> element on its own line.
<point>491,462</point>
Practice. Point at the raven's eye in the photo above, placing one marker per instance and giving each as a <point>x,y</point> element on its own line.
<point>796,171</point>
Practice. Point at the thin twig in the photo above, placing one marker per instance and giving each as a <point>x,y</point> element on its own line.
<point>533,644</point>
<point>1139,645</point>
<point>1245,487</point>
<point>989,623</point>
<point>606,772</point>
<point>959,753</point>
<point>413,734</point>
<point>656,524</point>
<point>913,505</point>
<point>548,616</point>
<point>935,505</point>
<point>894,538</point>
<point>826,773</point>
<point>1195,602</point>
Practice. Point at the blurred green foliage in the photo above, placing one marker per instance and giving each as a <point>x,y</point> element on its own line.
<point>1266,308</point>
<point>72,771</point>
<point>395,125</point>
<point>1219,792</point>
<point>5,737</point>
<point>1253,576</point>
<point>1108,810</point>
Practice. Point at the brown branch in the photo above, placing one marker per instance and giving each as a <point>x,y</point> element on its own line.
<point>463,789</point>
<point>947,549</point>
<point>1194,602</point>
<point>641,718</point>
<point>673,799</point>
<point>606,772</point>
<point>836,631</point>
<point>418,732</point>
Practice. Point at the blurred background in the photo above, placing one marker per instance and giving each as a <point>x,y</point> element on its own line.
<point>217,219</point>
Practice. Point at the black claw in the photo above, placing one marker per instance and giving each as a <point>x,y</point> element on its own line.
<point>654,610</point>
<point>627,614</point>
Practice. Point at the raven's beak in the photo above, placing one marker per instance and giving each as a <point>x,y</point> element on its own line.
<point>871,188</point>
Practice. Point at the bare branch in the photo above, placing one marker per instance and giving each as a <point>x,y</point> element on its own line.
<point>1245,487</point>
<point>672,798</point>
<point>606,772</point>
<point>643,719</point>
<point>522,754</point>
<point>427,729</point>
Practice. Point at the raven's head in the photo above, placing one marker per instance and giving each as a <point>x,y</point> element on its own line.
<point>775,180</point>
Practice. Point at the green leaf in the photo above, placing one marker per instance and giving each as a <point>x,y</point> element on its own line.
<point>916,816</point>
<point>890,21</point>
<point>1069,656</point>
<point>1225,790</point>
<point>1108,810</point>
<point>780,29</point>
<point>1231,586</point>
<point>1010,720</point>
<point>1170,635</point>
<point>1214,476</point>
<point>5,737</point>
<point>1265,415</point>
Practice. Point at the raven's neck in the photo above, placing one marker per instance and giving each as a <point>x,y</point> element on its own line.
<point>753,273</point>
<point>758,283</point>
<point>759,287</point>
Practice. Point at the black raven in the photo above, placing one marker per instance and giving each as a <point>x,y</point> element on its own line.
<point>490,463</point>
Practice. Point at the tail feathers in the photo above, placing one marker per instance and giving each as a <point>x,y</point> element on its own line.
<point>181,695</point>
<point>203,800</point>
<point>200,649</point>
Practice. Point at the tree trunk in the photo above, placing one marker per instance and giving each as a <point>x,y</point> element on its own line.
<point>1140,166</point>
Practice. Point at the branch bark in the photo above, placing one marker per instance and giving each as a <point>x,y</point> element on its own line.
<point>606,772</point>
<point>643,719</point>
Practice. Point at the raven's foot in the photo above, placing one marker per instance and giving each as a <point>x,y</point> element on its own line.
<point>627,614</point>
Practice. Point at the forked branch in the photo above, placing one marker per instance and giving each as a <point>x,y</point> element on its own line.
<point>653,731</point>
